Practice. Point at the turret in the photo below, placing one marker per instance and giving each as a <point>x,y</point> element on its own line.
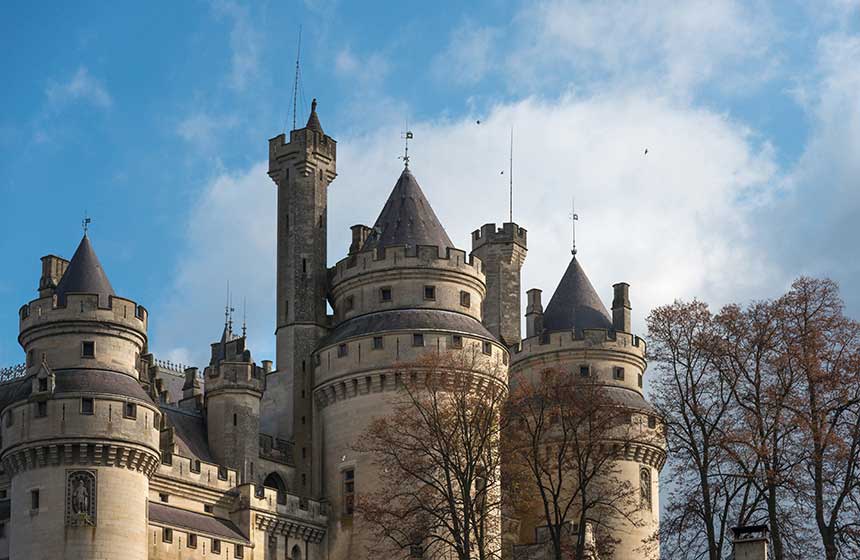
<point>234,388</point>
<point>502,253</point>
<point>621,307</point>
<point>302,170</point>
<point>79,433</point>
<point>534,313</point>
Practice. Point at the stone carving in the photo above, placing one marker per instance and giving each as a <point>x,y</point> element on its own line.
<point>81,498</point>
<point>645,488</point>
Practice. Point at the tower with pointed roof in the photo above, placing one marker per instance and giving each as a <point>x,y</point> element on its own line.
<point>302,170</point>
<point>576,334</point>
<point>80,436</point>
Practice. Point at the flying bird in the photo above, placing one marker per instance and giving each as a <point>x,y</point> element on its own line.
<point>646,152</point>
<point>477,122</point>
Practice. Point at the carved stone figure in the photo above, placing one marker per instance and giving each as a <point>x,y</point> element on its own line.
<point>81,499</point>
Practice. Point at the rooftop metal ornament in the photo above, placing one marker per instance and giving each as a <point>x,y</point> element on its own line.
<point>85,223</point>
<point>574,217</point>
<point>406,136</point>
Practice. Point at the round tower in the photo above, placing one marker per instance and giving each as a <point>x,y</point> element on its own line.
<point>402,292</point>
<point>79,434</point>
<point>576,334</point>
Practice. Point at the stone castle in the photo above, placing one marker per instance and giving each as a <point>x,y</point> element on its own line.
<point>110,453</point>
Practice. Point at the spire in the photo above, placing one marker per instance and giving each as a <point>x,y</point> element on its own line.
<point>575,304</point>
<point>407,219</point>
<point>314,120</point>
<point>84,276</point>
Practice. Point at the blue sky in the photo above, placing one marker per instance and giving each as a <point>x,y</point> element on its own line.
<point>154,117</point>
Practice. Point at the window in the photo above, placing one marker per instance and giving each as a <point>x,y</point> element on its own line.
<point>348,491</point>
<point>88,349</point>
<point>348,303</point>
<point>645,488</point>
<point>43,384</point>
<point>235,419</point>
<point>41,409</point>
<point>222,473</point>
<point>2,530</point>
<point>456,341</point>
<point>129,410</point>
<point>385,294</point>
<point>652,422</point>
<point>192,540</point>
<point>584,371</point>
<point>640,380</point>
<point>618,374</point>
<point>216,546</point>
<point>34,500</point>
<point>195,465</point>
<point>486,347</point>
<point>87,406</point>
<point>209,508</point>
<point>417,339</point>
<point>465,299</point>
<point>342,350</point>
<point>429,292</point>
<point>377,343</point>
<point>163,497</point>
<point>239,552</point>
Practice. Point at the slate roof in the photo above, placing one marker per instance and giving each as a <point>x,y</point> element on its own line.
<point>84,381</point>
<point>5,509</point>
<point>575,304</point>
<point>85,275</point>
<point>407,219</point>
<point>629,398</point>
<point>190,430</point>
<point>408,320</point>
<point>162,514</point>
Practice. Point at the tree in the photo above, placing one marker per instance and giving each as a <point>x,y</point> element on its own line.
<point>564,440</point>
<point>822,347</point>
<point>440,452</point>
<point>695,401</point>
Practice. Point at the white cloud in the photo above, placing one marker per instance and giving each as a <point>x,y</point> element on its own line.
<point>674,223</point>
<point>202,130</point>
<point>469,56</point>
<point>244,43</point>
<point>81,86</point>
<point>368,71</point>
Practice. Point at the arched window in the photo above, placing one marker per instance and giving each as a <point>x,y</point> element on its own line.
<point>275,481</point>
<point>296,554</point>
<point>645,488</point>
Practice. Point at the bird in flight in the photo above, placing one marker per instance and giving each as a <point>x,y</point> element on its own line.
<point>646,152</point>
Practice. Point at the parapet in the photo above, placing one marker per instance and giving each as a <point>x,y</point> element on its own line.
<point>83,307</point>
<point>508,233</point>
<point>589,340</point>
<point>305,150</point>
<point>382,259</point>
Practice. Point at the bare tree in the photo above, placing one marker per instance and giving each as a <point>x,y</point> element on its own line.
<point>822,347</point>
<point>440,452</point>
<point>695,401</point>
<point>564,440</point>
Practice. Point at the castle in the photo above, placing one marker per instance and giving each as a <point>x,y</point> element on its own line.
<point>110,453</point>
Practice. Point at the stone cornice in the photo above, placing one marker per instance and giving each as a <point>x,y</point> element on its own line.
<point>278,525</point>
<point>81,453</point>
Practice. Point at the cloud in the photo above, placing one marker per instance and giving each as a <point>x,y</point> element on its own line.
<point>678,45</point>
<point>245,44</point>
<point>369,71</point>
<point>80,87</point>
<point>469,56</point>
<point>674,223</point>
<point>202,130</point>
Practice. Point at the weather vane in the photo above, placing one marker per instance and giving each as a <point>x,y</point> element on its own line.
<point>85,223</point>
<point>406,136</point>
<point>574,217</point>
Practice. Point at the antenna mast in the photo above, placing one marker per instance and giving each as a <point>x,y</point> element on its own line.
<point>298,75</point>
<point>574,217</point>
<point>511,180</point>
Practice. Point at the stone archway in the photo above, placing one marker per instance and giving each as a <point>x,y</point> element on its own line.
<point>275,481</point>
<point>296,553</point>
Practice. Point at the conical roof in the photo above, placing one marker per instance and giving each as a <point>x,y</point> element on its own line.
<point>84,275</point>
<point>407,219</point>
<point>575,305</point>
<point>313,119</point>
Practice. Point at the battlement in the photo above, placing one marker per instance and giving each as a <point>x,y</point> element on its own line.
<point>307,150</point>
<point>83,307</point>
<point>589,340</point>
<point>508,233</point>
<point>383,259</point>
<point>292,506</point>
<point>235,375</point>
<point>210,475</point>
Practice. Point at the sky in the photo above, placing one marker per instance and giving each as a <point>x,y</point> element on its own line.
<point>153,118</point>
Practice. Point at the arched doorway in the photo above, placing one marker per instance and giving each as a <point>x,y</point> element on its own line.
<point>296,554</point>
<point>275,481</point>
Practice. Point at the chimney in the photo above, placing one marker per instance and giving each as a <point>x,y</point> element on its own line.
<point>534,313</point>
<point>53,268</point>
<point>621,307</point>
<point>360,234</point>
<point>750,542</point>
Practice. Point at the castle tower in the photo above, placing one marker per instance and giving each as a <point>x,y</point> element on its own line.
<point>575,333</point>
<point>403,292</point>
<point>234,388</point>
<point>80,436</point>
<point>502,252</point>
<point>302,170</point>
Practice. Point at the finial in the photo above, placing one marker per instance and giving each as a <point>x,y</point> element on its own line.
<point>406,136</point>
<point>511,180</point>
<point>244,317</point>
<point>574,217</point>
<point>314,105</point>
<point>85,223</point>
